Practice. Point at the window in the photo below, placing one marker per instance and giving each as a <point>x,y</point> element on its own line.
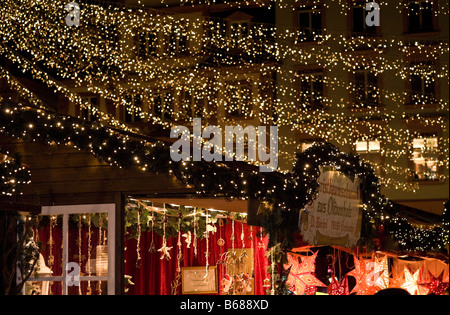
<point>89,114</point>
<point>239,30</point>
<point>163,104</point>
<point>423,85</point>
<point>310,23</point>
<point>238,99</point>
<point>133,108</point>
<point>420,16</point>
<point>365,89</point>
<point>311,89</point>
<point>176,42</point>
<point>69,246</point>
<point>359,26</point>
<point>370,151</point>
<point>189,105</point>
<point>425,158</point>
<point>148,44</point>
<point>368,146</point>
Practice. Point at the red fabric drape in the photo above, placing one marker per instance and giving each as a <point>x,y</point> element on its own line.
<point>155,275</point>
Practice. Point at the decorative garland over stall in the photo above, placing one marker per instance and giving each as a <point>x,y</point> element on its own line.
<point>286,194</point>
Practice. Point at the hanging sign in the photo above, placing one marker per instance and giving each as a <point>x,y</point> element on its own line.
<point>334,218</point>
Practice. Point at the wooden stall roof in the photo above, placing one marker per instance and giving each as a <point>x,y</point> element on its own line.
<point>66,175</point>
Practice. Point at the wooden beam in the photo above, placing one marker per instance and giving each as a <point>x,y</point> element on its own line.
<point>120,245</point>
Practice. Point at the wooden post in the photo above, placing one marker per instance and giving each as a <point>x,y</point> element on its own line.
<point>120,244</point>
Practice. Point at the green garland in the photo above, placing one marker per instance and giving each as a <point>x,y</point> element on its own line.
<point>287,193</point>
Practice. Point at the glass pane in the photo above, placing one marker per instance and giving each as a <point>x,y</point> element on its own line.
<point>361,146</point>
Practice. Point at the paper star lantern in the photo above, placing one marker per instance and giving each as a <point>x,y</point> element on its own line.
<point>382,271</point>
<point>411,283</point>
<point>165,251</point>
<point>336,288</point>
<point>435,285</point>
<point>301,277</point>
<point>365,276</point>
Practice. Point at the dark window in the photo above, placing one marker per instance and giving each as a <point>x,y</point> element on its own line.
<point>423,85</point>
<point>311,90</point>
<point>365,89</point>
<point>359,26</point>
<point>148,44</point>
<point>420,16</point>
<point>310,23</point>
<point>133,108</point>
<point>90,114</point>
<point>239,98</point>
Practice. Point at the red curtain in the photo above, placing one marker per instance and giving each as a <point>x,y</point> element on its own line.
<point>155,275</point>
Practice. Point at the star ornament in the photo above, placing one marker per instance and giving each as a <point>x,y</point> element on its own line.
<point>336,288</point>
<point>165,251</point>
<point>366,277</point>
<point>411,283</point>
<point>435,285</point>
<point>301,277</point>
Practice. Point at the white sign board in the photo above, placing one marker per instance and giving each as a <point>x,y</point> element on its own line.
<point>334,218</point>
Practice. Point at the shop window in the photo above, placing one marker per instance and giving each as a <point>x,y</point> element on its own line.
<point>423,82</point>
<point>311,90</point>
<point>147,44</point>
<point>310,23</point>
<point>420,16</point>
<point>358,19</point>
<point>425,158</point>
<point>238,99</point>
<point>89,114</point>
<point>365,89</point>
<point>78,252</point>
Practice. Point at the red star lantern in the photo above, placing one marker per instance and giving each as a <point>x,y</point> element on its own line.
<point>301,277</point>
<point>365,277</point>
<point>336,288</point>
<point>435,285</point>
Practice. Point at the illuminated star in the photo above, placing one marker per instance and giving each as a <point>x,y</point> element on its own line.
<point>410,283</point>
<point>435,285</point>
<point>301,277</point>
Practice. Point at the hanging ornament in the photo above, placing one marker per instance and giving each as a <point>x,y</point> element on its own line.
<point>51,242</point>
<point>364,277</point>
<point>138,242</point>
<point>188,238</point>
<point>301,277</point>
<point>89,289</point>
<point>381,271</point>
<point>411,282</point>
<point>165,250</point>
<point>152,247</point>
<point>195,232</point>
<point>336,288</point>
<point>435,285</point>
<point>220,241</point>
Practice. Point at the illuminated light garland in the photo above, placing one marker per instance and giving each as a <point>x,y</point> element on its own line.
<point>55,50</point>
<point>12,175</point>
<point>287,193</point>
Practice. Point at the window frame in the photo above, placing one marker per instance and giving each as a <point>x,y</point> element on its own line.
<point>65,211</point>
